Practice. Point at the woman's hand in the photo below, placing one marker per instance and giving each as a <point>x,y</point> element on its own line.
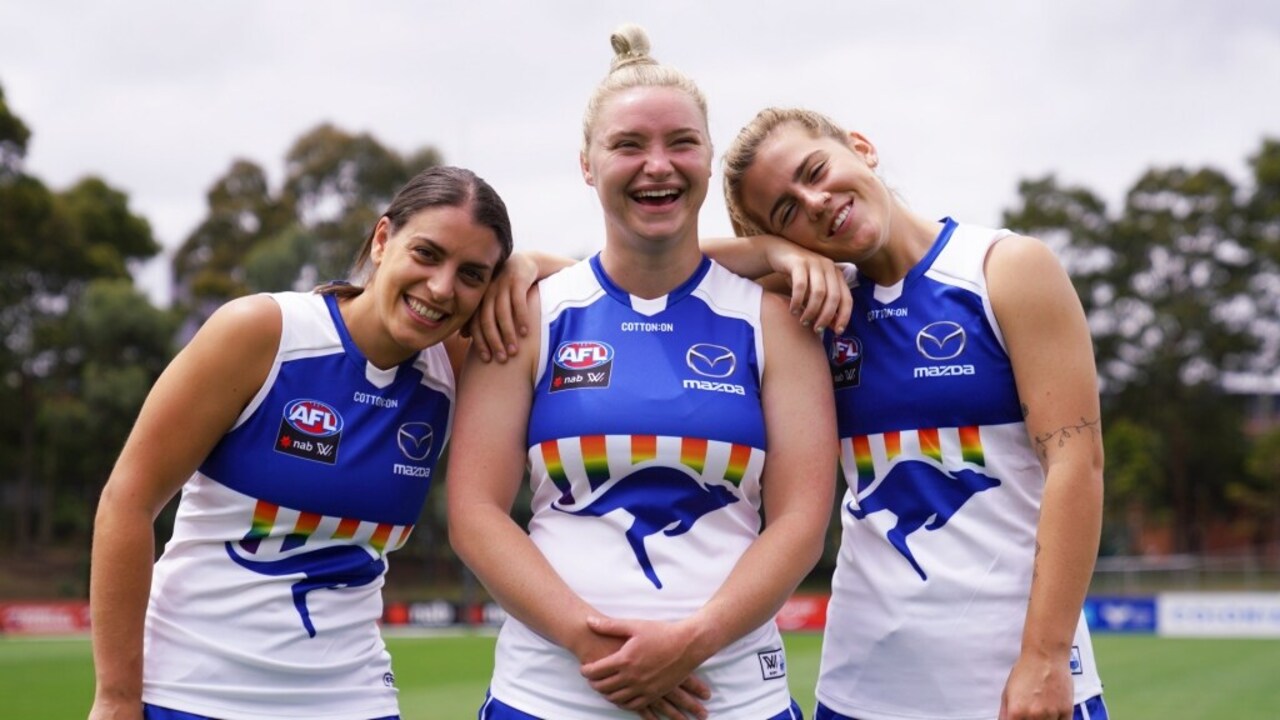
<point>503,315</point>
<point>819,294</point>
<point>652,671</point>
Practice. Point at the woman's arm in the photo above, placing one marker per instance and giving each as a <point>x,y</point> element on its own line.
<point>486,467</point>
<point>1052,354</point>
<point>816,287</point>
<point>798,489</point>
<point>193,403</point>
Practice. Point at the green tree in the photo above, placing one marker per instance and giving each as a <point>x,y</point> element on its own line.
<point>122,343</point>
<point>253,238</point>
<point>1169,287</point>
<point>14,135</point>
<point>54,245</point>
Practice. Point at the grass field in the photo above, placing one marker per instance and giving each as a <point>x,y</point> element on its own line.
<point>445,677</point>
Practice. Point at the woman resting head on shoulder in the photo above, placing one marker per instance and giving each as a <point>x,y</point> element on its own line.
<point>967,401</point>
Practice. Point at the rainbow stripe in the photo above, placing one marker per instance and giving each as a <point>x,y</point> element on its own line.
<point>306,525</point>
<point>346,529</point>
<point>555,468</point>
<point>266,515</point>
<point>930,440</point>
<point>862,461</point>
<point>971,445</point>
<point>643,448</point>
<point>930,444</point>
<point>892,445</point>
<point>693,453</point>
<point>380,536</point>
<point>595,459</point>
<point>739,458</point>
<point>264,518</point>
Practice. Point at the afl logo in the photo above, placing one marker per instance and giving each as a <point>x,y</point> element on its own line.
<point>941,340</point>
<point>845,350</point>
<point>583,354</point>
<point>714,361</point>
<point>314,418</point>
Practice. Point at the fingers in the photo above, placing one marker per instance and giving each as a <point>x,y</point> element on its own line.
<point>688,703</point>
<point>508,332</point>
<point>820,297</point>
<point>663,708</point>
<point>694,686</point>
<point>799,291</point>
<point>475,329</point>
<point>488,321</point>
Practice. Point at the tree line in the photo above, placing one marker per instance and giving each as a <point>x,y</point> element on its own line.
<point>1181,286</point>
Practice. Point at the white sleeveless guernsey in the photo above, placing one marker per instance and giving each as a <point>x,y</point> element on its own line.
<point>266,600</point>
<point>934,573</point>
<point>646,445</point>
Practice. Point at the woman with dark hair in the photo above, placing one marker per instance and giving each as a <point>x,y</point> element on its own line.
<point>303,430</point>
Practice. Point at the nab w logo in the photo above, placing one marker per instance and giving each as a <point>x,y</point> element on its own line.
<point>773,664</point>
<point>583,354</point>
<point>313,417</point>
<point>581,364</point>
<point>311,430</point>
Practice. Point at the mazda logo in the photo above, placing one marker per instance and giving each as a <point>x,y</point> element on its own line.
<point>714,361</point>
<point>415,440</point>
<point>941,340</point>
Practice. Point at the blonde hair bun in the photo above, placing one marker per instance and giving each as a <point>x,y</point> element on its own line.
<point>630,47</point>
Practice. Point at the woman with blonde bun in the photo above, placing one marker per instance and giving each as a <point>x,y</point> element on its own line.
<point>663,407</point>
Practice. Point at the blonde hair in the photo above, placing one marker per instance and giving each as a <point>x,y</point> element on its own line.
<point>633,66</point>
<point>744,148</point>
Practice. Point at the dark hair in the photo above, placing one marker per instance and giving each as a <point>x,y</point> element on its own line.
<point>442,186</point>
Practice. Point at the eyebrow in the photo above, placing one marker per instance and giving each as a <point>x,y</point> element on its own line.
<point>440,249</point>
<point>795,178</point>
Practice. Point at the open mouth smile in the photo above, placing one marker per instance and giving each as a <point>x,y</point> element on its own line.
<point>839,219</point>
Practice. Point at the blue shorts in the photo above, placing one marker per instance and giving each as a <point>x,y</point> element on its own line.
<point>1091,709</point>
<point>494,709</point>
<point>155,712</point>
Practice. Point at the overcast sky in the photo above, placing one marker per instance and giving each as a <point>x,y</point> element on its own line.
<point>962,97</point>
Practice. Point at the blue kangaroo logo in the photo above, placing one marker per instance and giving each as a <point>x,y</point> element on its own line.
<point>660,499</point>
<point>329,568</point>
<point>917,493</point>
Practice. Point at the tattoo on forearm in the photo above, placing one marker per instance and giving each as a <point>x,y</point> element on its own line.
<point>1035,564</point>
<point>1065,433</point>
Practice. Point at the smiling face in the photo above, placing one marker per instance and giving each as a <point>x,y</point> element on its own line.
<point>430,275</point>
<point>649,160</point>
<point>819,192</point>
